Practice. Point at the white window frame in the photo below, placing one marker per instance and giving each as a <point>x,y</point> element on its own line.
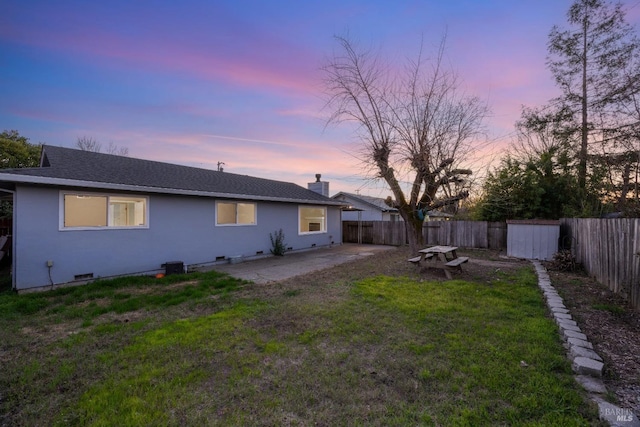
<point>108,196</point>
<point>236,224</point>
<point>323,225</point>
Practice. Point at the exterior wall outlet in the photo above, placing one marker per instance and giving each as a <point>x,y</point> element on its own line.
<point>49,263</point>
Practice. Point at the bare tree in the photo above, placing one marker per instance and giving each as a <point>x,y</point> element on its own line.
<point>541,131</point>
<point>118,151</point>
<point>415,125</point>
<point>86,143</point>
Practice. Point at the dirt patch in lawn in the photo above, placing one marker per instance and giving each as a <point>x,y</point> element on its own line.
<point>43,335</point>
<point>145,290</point>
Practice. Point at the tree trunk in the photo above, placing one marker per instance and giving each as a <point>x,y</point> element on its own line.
<point>582,166</point>
<point>622,203</point>
<point>413,227</point>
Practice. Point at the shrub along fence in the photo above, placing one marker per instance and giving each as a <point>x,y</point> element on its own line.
<point>609,250</point>
<point>466,234</point>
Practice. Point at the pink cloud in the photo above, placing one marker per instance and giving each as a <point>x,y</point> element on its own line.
<point>289,70</point>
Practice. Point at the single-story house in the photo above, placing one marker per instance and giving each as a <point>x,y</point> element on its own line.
<point>83,215</point>
<point>366,208</point>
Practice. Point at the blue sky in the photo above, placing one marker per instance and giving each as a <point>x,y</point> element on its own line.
<point>201,82</point>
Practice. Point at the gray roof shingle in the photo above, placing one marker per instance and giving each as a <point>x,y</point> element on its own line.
<point>71,165</point>
<point>375,202</point>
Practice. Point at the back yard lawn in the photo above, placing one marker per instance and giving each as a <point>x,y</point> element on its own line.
<point>372,342</point>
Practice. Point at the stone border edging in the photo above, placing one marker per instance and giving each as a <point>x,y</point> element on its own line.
<point>586,363</point>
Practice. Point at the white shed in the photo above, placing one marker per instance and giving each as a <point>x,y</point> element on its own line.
<point>533,239</point>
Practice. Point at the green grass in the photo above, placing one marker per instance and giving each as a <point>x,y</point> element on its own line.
<point>122,295</point>
<point>611,308</point>
<point>376,351</point>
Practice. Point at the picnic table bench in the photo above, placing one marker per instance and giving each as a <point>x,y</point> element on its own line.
<point>456,262</point>
<point>419,258</point>
<point>443,257</point>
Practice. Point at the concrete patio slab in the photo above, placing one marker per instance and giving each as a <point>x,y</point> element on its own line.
<point>276,268</point>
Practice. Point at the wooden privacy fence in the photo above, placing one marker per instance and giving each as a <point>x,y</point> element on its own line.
<point>466,234</point>
<point>609,250</point>
<point>374,232</point>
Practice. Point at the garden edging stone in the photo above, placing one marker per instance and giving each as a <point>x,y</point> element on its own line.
<point>586,363</point>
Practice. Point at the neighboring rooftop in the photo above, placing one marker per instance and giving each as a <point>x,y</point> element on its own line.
<point>380,204</point>
<point>374,202</point>
<point>70,167</point>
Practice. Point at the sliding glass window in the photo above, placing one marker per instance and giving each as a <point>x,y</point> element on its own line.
<point>103,211</point>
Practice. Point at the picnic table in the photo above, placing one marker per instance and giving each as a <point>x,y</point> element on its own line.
<point>442,257</point>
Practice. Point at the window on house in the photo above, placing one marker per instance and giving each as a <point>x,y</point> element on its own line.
<point>127,211</point>
<point>85,211</point>
<point>103,211</point>
<point>312,219</point>
<point>235,213</point>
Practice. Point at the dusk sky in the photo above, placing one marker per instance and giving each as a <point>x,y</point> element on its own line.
<point>201,82</point>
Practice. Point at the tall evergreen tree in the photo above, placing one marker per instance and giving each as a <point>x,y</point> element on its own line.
<point>588,62</point>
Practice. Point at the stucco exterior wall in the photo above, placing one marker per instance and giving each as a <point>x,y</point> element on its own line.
<point>180,229</point>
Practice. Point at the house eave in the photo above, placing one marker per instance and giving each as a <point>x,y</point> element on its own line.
<point>366,202</point>
<point>64,182</point>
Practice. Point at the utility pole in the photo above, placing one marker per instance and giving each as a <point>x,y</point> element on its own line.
<point>220,168</point>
